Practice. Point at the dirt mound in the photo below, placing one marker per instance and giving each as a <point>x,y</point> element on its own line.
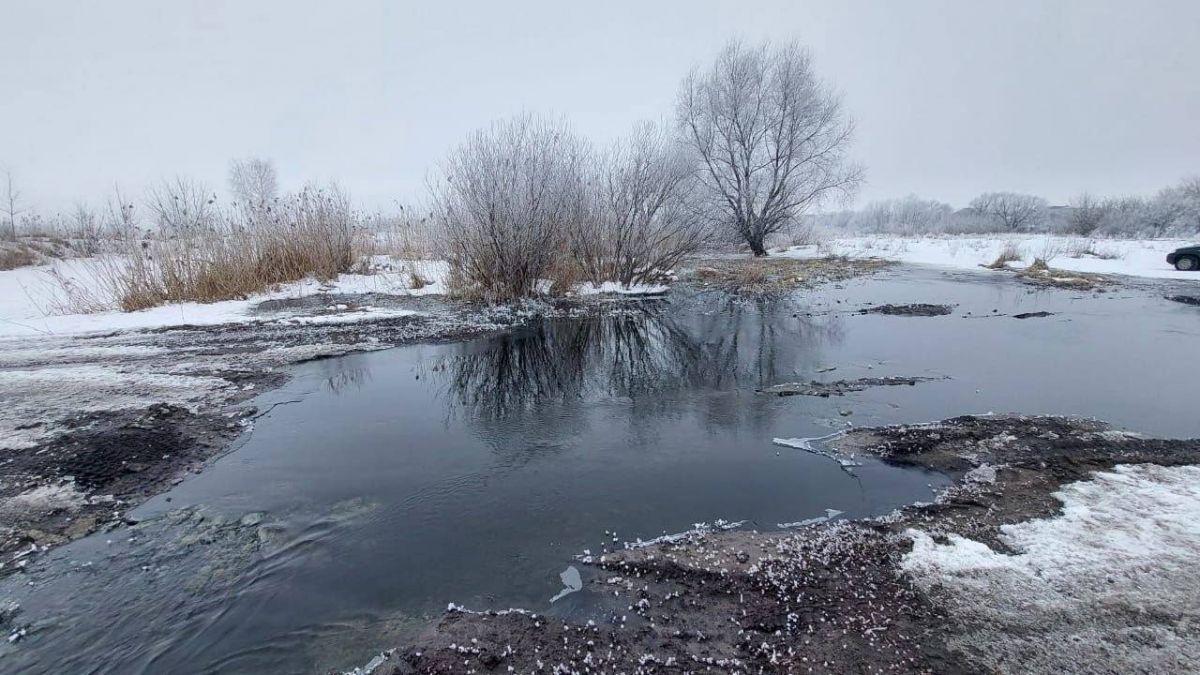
<point>841,387</point>
<point>771,276</point>
<point>918,309</point>
<point>1185,299</point>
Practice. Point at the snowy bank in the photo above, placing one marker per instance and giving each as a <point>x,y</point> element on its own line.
<point>1127,543</point>
<point>32,301</point>
<point>1140,258</point>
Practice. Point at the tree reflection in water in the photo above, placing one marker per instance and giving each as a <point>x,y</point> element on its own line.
<point>649,354</point>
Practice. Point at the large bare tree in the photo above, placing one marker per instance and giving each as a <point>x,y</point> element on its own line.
<point>771,138</point>
<point>1012,210</point>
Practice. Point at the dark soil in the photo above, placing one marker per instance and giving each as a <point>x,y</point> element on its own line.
<point>841,387</point>
<point>1032,315</point>
<point>919,309</point>
<point>116,460</point>
<point>825,599</point>
<point>1185,299</point>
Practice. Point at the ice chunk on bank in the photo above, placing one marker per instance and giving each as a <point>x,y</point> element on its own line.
<point>806,444</point>
<point>830,514</point>
<point>572,582</point>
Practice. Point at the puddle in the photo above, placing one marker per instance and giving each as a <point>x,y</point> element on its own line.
<point>386,485</point>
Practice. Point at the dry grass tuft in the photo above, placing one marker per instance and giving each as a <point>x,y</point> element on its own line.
<point>1039,265</point>
<point>12,257</point>
<point>416,282</point>
<point>1010,253</point>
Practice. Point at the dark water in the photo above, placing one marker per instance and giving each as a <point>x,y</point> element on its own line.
<point>395,482</point>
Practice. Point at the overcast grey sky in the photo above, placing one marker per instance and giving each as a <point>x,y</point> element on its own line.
<point>951,98</point>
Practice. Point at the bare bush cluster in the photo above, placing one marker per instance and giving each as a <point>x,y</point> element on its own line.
<point>526,202</point>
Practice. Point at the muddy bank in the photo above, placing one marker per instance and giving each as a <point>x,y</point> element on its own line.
<point>842,597</point>
<point>774,276</point>
<point>917,309</point>
<point>841,387</point>
<point>1185,299</point>
<point>1041,274</point>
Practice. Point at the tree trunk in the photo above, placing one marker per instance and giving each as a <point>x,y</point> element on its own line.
<point>756,246</point>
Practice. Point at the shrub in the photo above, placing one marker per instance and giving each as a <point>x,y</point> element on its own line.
<point>504,202</point>
<point>640,222</point>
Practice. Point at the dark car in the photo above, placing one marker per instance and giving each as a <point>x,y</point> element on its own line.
<point>1186,259</point>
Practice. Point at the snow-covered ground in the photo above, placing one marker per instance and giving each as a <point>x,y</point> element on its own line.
<point>32,300</point>
<point>1141,258</point>
<point>614,288</point>
<point>1127,542</point>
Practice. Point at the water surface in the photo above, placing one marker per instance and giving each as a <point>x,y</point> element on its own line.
<point>394,482</point>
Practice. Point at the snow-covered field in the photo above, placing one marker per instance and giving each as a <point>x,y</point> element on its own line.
<point>1140,258</point>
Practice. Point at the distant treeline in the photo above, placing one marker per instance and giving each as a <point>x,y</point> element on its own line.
<point>1172,212</point>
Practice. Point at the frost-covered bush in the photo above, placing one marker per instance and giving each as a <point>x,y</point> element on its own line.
<point>504,202</point>
<point>1173,212</point>
<point>642,220</point>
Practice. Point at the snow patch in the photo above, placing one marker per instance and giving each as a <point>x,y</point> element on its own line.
<point>1127,541</point>
<point>614,288</point>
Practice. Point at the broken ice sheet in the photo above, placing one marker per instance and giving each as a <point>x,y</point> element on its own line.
<point>571,580</point>
<point>806,444</point>
<point>830,514</point>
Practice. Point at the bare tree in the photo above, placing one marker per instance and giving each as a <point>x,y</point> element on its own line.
<point>121,220</point>
<point>12,204</point>
<point>254,186</point>
<point>771,138</point>
<point>1012,210</point>
<point>642,222</point>
<point>183,206</point>
<point>504,202</point>
<point>1086,215</point>
<point>83,228</point>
